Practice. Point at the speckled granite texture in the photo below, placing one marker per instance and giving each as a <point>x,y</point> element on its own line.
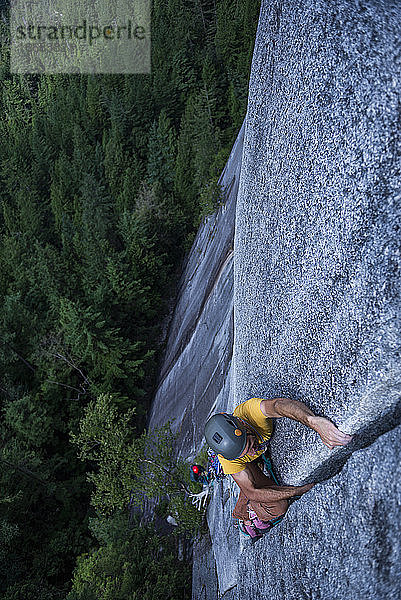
<point>316,306</point>
<point>339,541</point>
<point>204,578</point>
<point>317,245</point>
<point>317,288</point>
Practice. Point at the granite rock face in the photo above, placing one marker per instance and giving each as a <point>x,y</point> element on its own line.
<point>316,305</point>
<point>340,540</point>
<point>317,250</point>
<point>195,376</point>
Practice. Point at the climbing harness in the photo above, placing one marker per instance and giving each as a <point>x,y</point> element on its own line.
<point>207,477</point>
<point>254,528</point>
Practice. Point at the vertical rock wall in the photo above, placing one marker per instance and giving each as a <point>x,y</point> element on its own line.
<point>317,290</point>
<point>317,250</point>
<point>316,305</point>
<point>195,375</point>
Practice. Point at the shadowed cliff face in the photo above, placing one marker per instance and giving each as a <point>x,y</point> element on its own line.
<point>316,305</point>
<point>195,376</point>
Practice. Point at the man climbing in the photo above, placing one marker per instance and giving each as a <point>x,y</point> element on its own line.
<point>239,439</point>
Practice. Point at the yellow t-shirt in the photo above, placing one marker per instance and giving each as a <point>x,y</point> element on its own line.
<point>251,412</point>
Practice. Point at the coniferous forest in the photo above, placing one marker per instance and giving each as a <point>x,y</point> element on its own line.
<point>104,181</point>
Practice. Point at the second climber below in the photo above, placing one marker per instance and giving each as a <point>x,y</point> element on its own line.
<point>239,439</point>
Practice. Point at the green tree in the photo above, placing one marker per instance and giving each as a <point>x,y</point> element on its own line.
<point>139,565</point>
<point>29,419</point>
<point>184,175</point>
<point>103,180</point>
<point>161,155</point>
<point>136,469</point>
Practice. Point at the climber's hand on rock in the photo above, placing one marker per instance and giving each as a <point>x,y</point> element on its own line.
<point>330,435</point>
<point>302,489</point>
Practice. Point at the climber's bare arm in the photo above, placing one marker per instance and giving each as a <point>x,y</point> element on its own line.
<point>246,482</point>
<point>284,407</point>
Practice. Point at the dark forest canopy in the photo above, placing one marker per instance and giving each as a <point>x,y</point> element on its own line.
<point>104,180</point>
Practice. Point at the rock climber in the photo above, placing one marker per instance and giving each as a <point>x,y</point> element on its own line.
<point>239,439</point>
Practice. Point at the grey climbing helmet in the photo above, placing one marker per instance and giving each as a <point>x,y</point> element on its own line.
<point>226,435</point>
